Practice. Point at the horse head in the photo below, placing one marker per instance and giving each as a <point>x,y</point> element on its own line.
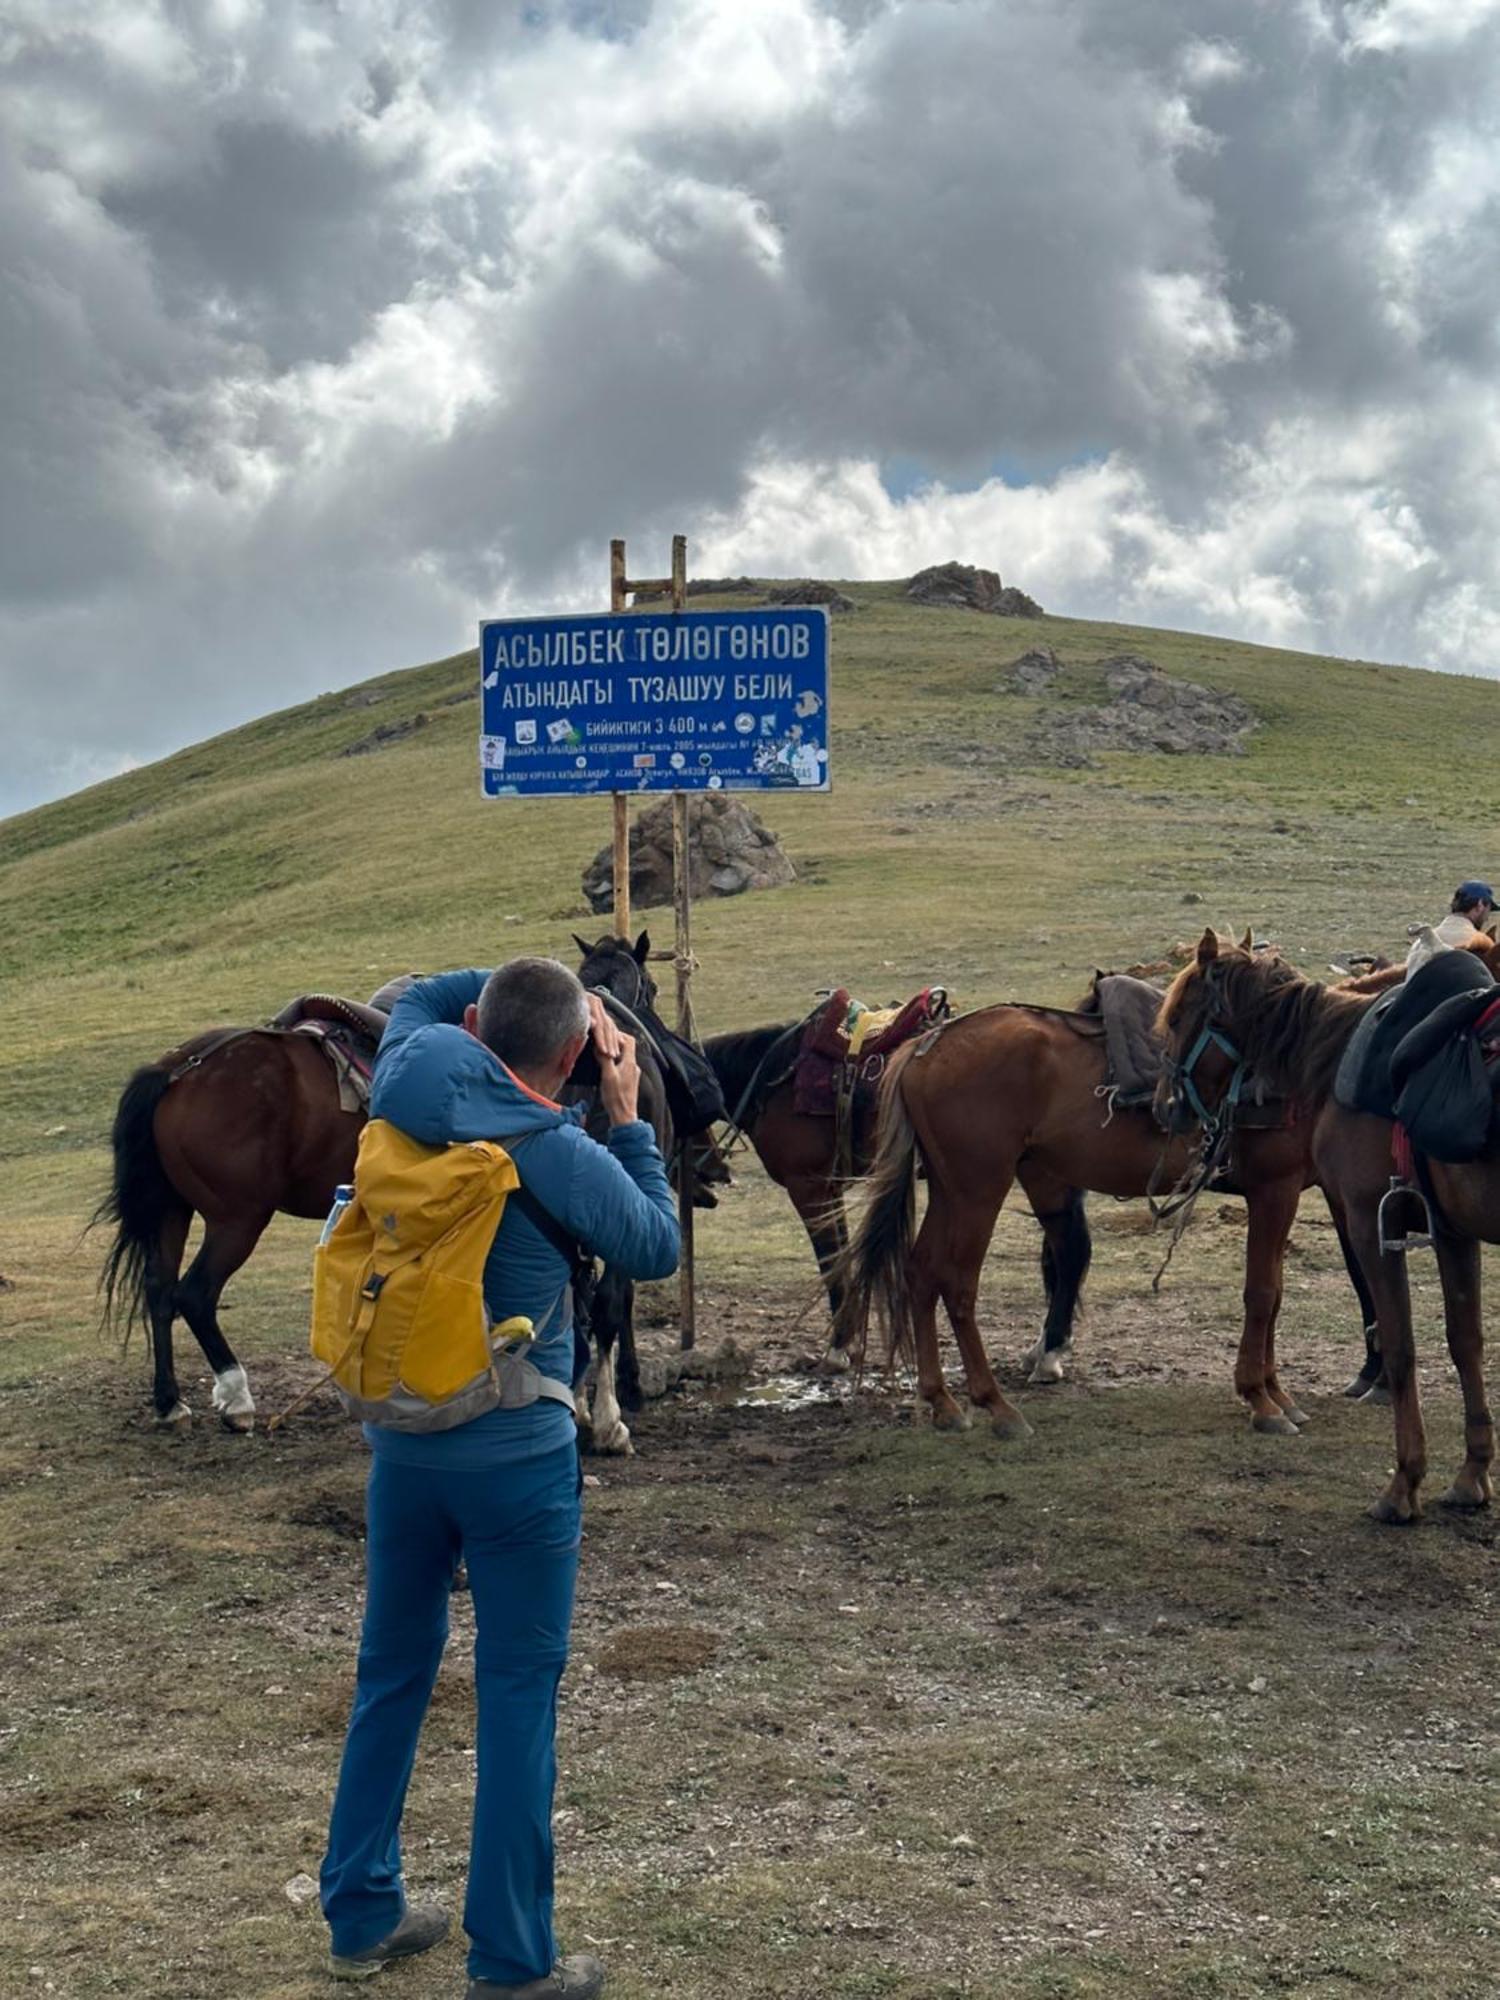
<point>1202,1067</point>
<point>615,965</point>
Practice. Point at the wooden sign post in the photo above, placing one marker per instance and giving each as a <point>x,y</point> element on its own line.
<point>620,588</point>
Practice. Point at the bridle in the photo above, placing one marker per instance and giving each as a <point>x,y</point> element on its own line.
<point>1216,1125</point>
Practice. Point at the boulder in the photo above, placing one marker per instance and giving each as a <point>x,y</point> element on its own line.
<point>1148,710</point>
<point>730,850</point>
<point>1035,671</point>
<point>809,592</point>
<point>961,587</point>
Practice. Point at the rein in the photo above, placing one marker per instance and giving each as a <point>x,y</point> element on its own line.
<point>1217,1127</point>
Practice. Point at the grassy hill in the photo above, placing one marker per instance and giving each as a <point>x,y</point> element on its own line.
<point>976,1720</point>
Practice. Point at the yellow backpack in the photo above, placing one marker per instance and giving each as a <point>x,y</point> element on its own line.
<point>399,1318</point>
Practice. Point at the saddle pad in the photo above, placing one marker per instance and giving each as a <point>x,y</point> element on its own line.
<point>1363,1080</point>
<point>1128,1008</point>
<point>819,1065</point>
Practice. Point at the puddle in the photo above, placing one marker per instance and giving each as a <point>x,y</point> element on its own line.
<point>787,1392</point>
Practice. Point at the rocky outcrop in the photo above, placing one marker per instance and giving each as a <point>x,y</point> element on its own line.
<point>730,850</point>
<point>387,733</point>
<point>1035,671</point>
<point>959,586</point>
<point>1148,710</point>
<point>807,591</point>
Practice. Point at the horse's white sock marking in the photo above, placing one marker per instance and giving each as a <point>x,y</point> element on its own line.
<point>610,1431</point>
<point>232,1397</point>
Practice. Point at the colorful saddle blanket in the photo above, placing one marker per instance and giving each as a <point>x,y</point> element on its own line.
<point>846,1044</point>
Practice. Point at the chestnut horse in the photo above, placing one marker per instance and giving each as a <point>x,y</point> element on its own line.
<point>1292,1031</point>
<point>1011,1093</point>
<point>800,1153</point>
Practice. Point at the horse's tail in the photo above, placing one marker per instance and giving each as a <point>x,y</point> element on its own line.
<point>139,1199</point>
<point>872,1271</point>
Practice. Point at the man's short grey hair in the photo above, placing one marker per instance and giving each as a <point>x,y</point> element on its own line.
<point>528,1009</point>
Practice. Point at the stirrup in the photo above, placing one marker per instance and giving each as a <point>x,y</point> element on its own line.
<point>1403,1219</point>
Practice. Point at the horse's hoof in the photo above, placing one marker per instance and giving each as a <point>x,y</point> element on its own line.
<point>1390,1515</point>
<point>176,1419</point>
<point>1048,1366</point>
<point>1273,1423</point>
<point>835,1361</point>
<point>1293,1415</point>
<point>949,1417</point>
<point>1377,1393</point>
<point>239,1423</point>
<point>1463,1499</point>
<point>613,1443</point>
<point>1012,1427</point>
<point>1359,1388</point>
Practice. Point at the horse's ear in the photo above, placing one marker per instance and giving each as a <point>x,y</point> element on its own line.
<point>586,949</point>
<point>1208,946</point>
<point>1247,942</point>
<point>643,947</point>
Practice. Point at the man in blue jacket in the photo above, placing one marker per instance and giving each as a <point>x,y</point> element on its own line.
<point>475,1056</point>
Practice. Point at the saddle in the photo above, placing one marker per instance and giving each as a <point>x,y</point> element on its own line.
<point>1419,1057</point>
<point>846,1045</point>
<point>347,1031</point>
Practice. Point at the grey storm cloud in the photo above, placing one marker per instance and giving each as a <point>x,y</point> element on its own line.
<point>327,330</point>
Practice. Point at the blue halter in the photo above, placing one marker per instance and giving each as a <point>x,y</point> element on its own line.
<point>1211,1121</point>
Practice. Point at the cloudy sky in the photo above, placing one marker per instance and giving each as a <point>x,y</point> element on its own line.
<point>327,326</point>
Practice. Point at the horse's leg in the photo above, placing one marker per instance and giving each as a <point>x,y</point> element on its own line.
<point>967,1238</point>
<point>923,1285</point>
<point>1458,1261</point>
<point>627,1366</point>
<point>1369,1383</point>
<point>1067,1251</point>
<point>162,1266</point>
<point>819,1202</point>
<point>1272,1210</point>
<point>225,1247</point>
<point>1386,1275</point>
<point>610,1433</point>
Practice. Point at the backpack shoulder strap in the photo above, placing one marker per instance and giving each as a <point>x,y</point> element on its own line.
<point>563,1241</point>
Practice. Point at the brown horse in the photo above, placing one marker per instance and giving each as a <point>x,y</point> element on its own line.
<point>1293,1031</point>
<point>234,1125</point>
<point>1011,1093</point>
<point>799,1151</point>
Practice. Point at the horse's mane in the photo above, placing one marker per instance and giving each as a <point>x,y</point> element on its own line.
<point>1290,1030</point>
<point>737,1055</point>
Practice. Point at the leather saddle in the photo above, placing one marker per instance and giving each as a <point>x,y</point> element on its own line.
<point>1420,1057</point>
<point>332,1011</point>
<point>1440,999</point>
<point>847,1045</point>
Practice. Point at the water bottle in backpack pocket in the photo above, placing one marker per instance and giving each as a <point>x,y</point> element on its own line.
<point>343,1194</point>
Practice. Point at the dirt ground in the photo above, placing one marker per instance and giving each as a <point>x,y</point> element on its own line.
<point>1144,1706</point>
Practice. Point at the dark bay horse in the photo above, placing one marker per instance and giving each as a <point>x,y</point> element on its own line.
<point>1010,1093</point>
<point>800,1154</point>
<point>235,1125</point>
<point>238,1125</point>
<point>606,1300</point>
<point>1294,1031</point>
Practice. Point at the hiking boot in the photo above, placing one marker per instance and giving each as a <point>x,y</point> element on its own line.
<point>577,1978</point>
<point>423,1926</point>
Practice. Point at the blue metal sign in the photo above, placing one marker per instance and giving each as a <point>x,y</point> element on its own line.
<point>657,701</point>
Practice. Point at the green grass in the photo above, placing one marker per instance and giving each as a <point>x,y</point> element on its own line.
<point>1144,1707</point>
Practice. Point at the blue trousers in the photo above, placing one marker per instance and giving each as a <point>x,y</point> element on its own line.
<point>517,1527</point>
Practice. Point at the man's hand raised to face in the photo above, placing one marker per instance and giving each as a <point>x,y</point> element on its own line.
<point>619,1071</point>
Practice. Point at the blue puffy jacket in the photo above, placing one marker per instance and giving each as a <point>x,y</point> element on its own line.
<point>438,1084</point>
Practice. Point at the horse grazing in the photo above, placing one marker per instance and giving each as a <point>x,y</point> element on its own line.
<point>234,1126</point>
<point>1012,1093</point>
<point>1293,1032</point>
<point>800,1153</point>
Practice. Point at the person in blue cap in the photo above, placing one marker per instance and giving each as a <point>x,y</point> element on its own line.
<point>1472,909</point>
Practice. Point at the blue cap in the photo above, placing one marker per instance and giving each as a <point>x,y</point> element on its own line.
<point>1474,892</point>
